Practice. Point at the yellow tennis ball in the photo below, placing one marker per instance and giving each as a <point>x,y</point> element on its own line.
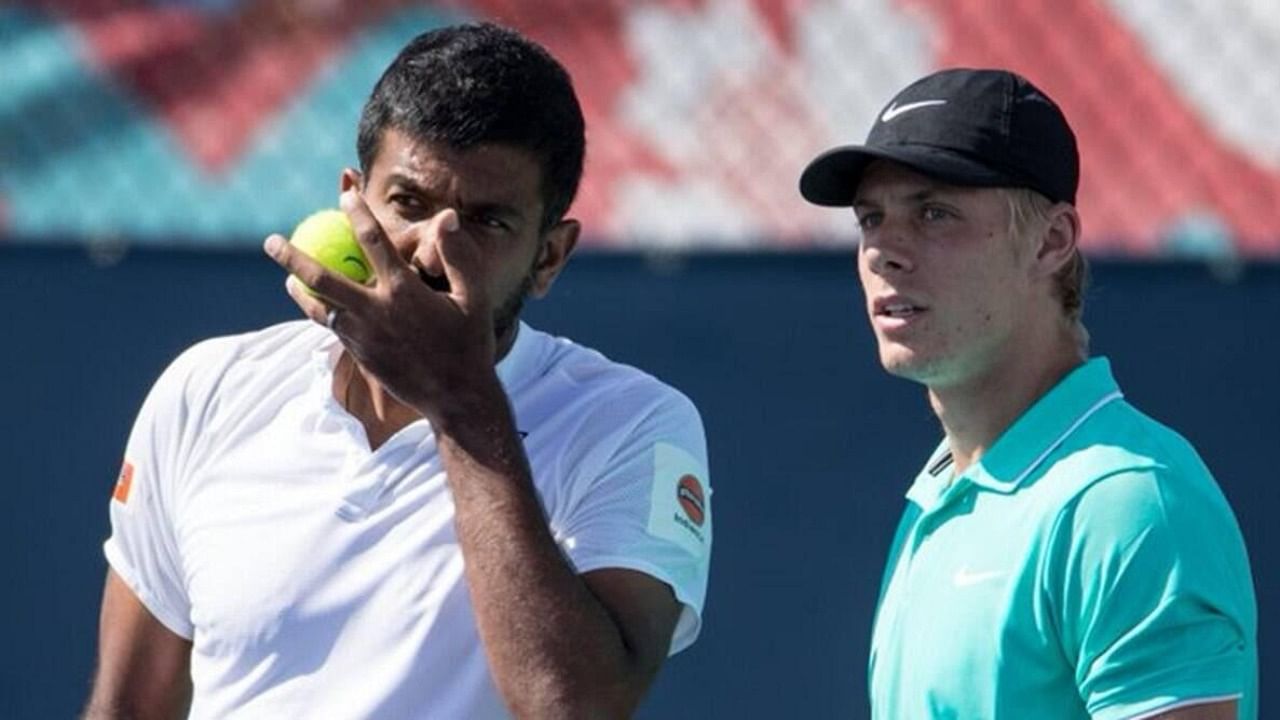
<point>327,236</point>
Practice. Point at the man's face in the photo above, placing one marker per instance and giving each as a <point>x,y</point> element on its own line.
<point>948,290</point>
<point>495,189</point>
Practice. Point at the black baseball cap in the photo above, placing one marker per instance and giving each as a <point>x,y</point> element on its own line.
<point>985,128</point>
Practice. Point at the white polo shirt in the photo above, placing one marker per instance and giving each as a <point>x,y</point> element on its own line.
<point>317,578</point>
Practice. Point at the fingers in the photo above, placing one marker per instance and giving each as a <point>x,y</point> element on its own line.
<point>461,258</point>
<point>335,288</point>
<point>377,247</point>
<point>312,306</point>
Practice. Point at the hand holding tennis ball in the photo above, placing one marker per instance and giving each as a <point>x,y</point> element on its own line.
<point>327,236</point>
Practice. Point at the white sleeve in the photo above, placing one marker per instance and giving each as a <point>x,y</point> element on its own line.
<point>142,549</point>
<point>648,508</point>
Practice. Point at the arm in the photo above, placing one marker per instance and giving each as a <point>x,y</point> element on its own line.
<point>142,665</point>
<point>1153,600</point>
<point>559,645</point>
<point>1209,711</point>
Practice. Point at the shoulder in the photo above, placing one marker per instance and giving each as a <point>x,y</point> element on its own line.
<point>1123,427</point>
<point>1127,476</point>
<point>1120,476</point>
<point>603,386</point>
<point>594,417</point>
<point>254,345</point>
<point>1121,454</point>
<point>218,365</point>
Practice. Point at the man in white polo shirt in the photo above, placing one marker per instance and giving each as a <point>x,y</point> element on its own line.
<point>413,505</point>
<point>1062,556</point>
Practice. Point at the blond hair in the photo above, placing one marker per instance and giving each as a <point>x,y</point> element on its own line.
<point>1029,212</point>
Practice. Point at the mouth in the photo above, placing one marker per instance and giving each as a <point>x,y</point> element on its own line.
<point>897,308</point>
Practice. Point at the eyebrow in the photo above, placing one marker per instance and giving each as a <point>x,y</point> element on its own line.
<point>501,209</point>
<point>919,196</point>
<point>395,178</point>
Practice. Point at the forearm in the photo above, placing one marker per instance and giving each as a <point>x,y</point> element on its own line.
<point>552,646</point>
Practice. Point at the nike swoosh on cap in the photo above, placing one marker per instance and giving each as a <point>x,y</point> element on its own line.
<point>895,110</point>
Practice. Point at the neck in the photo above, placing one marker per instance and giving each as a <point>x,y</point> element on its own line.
<point>360,394</point>
<point>382,415</point>
<point>976,411</point>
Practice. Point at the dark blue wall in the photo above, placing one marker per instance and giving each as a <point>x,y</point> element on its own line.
<point>811,444</point>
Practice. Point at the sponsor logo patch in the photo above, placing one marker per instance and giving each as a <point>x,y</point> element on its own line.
<point>679,509</point>
<point>123,483</point>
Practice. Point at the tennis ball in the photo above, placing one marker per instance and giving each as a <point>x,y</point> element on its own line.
<point>327,236</point>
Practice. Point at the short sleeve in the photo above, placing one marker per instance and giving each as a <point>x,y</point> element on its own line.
<point>142,549</point>
<point>648,508</point>
<point>1149,599</point>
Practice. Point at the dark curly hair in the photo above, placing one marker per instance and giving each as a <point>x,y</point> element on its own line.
<point>474,84</point>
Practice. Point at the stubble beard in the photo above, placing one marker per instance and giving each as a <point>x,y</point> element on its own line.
<point>507,314</point>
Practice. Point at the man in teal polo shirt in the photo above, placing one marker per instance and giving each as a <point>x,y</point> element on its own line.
<point>1062,555</point>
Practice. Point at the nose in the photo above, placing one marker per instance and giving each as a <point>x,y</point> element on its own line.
<point>886,248</point>
<point>425,249</point>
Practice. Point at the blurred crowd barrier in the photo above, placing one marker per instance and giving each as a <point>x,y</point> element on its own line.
<point>214,122</point>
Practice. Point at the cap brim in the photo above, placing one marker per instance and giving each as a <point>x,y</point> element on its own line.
<point>832,178</point>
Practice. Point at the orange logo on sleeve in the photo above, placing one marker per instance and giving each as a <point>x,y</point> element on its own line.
<point>689,493</point>
<point>124,482</point>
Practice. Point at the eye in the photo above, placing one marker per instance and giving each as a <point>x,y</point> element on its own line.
<point>406,203</point>
<point>935,213</point>
<point>488,221</point>
<point>869,219</point>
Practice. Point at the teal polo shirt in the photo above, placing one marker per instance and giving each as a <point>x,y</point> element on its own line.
<point>1088,566</point>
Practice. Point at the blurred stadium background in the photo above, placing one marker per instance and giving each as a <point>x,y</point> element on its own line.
<point>213,122</point>
<point>147,146</point>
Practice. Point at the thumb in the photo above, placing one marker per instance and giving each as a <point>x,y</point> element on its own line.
<point>461,260</point>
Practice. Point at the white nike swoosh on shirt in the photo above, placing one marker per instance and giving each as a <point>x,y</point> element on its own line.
<point>895,110</point>
<point>965,577</point>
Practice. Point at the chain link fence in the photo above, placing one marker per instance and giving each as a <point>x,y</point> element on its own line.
<point>214,122</point>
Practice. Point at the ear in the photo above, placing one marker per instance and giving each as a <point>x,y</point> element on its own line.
<point>557,244</point>
<point>1058,240</point>
<point>351,178</point>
